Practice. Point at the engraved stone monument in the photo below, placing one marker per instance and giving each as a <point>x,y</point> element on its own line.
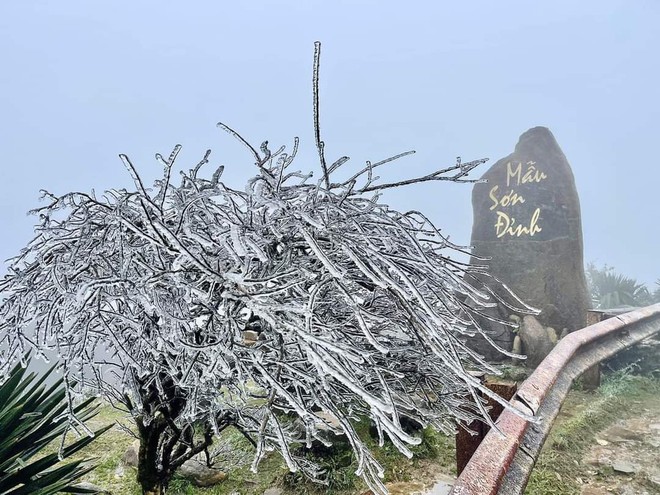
<point>527,222</point>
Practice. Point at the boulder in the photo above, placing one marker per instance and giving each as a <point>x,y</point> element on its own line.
<point>527,225</point>
<point>624,466</point>
<point>131,455</point>
<point>536,343</point>
<point>195,470</point>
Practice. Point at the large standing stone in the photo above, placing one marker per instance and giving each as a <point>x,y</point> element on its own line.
<point>527,221</point>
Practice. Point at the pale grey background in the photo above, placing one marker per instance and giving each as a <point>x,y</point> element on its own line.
<point>82,81</point>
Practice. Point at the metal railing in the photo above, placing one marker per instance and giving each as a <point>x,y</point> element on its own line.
<point>503,461</point>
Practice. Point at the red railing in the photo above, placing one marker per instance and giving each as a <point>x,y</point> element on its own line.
<point>503,461</point>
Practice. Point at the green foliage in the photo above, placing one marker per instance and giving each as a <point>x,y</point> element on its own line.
<point>612,290</point>
<point>31,417</point>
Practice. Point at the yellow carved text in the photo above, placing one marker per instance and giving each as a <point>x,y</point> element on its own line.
<point>510,198</point>
<point>506,225</point>
<point>532,174</point>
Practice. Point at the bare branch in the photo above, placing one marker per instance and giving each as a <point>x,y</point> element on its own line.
<point>320,145</point>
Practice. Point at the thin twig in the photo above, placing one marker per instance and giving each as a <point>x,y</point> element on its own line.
<point>320,145</point>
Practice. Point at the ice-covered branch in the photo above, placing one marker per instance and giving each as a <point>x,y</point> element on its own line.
<point>206,304</point>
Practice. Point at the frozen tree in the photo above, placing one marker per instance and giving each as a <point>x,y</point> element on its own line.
<point>197,307</point>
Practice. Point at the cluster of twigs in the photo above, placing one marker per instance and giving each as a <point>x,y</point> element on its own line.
<point>353,308</point>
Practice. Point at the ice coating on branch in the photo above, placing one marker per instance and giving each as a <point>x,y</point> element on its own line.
<point>280,297</point>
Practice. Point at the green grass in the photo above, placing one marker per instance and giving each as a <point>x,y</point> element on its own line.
<point>555,471</point>
<point>559,463</point>
<point>341,465</point>
<point>512,372</point>
<point>339,461</point>
<point>107,452</point>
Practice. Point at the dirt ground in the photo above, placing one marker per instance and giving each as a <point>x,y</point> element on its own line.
<point>625,457</point>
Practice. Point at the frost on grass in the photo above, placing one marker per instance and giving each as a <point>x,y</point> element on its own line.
<point>360,311</point>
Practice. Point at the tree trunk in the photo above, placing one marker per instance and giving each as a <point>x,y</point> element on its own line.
<point>157,439</point>
<point>149,476</point>
<point>151,485</point>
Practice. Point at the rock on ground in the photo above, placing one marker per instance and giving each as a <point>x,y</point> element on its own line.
<point>200,474</point>
<point>536,343</point>
<point>195,470</point>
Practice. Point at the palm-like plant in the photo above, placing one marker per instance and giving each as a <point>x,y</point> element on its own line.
<point>611,290</point>
<point>31,417</point>
<point>656,293</point>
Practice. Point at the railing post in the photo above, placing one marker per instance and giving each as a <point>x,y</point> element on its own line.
<point>505,389</point>
<point>466,442</point>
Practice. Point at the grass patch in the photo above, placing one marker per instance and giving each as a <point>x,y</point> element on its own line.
<point>339,461</point>
<point>512,372</point>
<point>558,466</point>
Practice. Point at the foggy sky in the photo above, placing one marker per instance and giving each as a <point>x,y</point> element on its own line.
<point>83,81</point>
